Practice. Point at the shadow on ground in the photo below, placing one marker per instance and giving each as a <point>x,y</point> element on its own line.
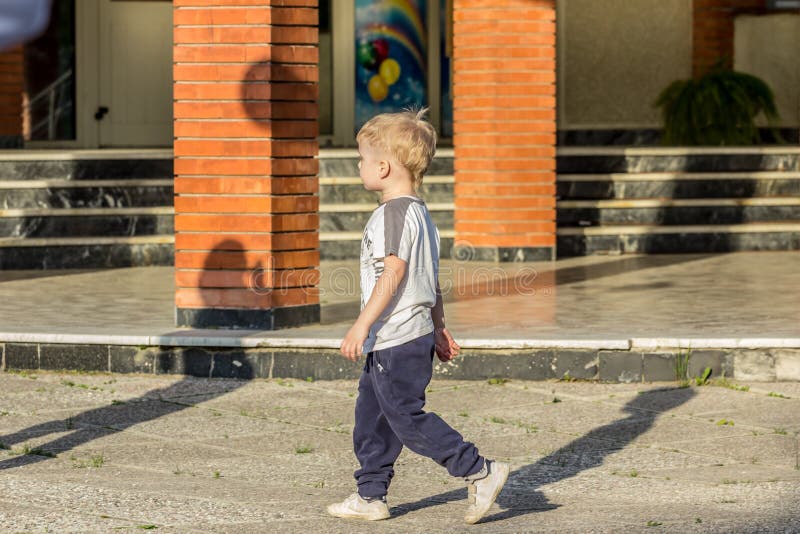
<point>99,422</point>
<point>521,496</point>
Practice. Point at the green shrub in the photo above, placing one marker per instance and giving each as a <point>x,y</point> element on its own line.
<point>718,108</point>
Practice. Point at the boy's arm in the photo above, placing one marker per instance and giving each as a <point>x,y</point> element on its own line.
<point>446,346</point>
<point>394,269</point>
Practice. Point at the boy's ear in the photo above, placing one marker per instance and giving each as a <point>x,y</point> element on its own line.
<point>384,167</point>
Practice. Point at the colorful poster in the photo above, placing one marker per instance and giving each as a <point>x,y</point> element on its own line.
<point>446,128</point>
<point>391,56</point>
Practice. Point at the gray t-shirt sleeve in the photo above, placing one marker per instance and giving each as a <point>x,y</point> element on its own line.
<point>399,230</point>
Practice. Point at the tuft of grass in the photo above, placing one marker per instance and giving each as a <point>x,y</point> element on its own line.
<point>725,422</point>
<point>309,379</point>
<point>556,400</point>
<point>682,368</point>
<point>116,402</point>
<point>654,523</point>
<point>725,383</point>
<point>284,383</point>
<point>777,395</point>
<point>780,431</point>
<point>147,527</point>
<point>96,461</point>
<point>634,473</point>
<point>497,381</point>
<point>27,450</point>
<point>702,380</point>
<point>303,449</point>
<point>567,378</point>
<point>463,414</point>
<point>529,428</point>
<point>22,373</point>
<point>498,420</point>
<point>217,474</point>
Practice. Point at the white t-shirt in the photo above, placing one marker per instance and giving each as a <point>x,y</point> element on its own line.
<point>403,227</point>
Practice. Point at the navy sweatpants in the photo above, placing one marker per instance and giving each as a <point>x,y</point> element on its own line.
<point>389,415</point>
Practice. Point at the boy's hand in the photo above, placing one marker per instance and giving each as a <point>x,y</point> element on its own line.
<point>353,342</point>
<point>446,346</point>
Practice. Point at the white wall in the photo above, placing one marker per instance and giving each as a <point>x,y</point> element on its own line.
<point>768,46</point>
<point>615,57</point>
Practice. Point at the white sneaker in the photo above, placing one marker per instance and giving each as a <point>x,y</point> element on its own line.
<point>482,492</point>
<point>354,507</point>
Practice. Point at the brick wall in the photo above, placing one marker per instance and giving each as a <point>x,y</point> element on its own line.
<point>11,87</point>
<point>504,121</point>
<point>712,35</point>
<point>246,204</point>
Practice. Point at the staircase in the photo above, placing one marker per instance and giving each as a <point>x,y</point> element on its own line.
<point>107,209</point>
<point>615,200</point>
<point>95,209</point>
<point>345,206</point>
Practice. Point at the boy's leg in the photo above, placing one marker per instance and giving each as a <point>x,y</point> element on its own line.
<point>400,375</point>
<point>375,444</point>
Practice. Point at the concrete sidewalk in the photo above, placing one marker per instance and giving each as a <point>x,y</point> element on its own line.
<point>614,318</point>
<point>101,452</point>
<point>749,297</point>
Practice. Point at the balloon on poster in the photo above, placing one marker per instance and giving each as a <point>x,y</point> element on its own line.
<point>391,52</point>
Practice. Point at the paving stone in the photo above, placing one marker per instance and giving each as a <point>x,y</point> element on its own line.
<point>572,472</point>
<point>787,364</point>
<point>132,359</point>
<point>758,365</point>
<point>21,356</point>
<point>73,357</point>
<point>659,366</point>
<point>620,366</point>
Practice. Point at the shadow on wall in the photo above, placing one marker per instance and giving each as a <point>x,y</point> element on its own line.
<point>521,495</point>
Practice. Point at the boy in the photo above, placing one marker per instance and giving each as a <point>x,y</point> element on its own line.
<point>401,326</point>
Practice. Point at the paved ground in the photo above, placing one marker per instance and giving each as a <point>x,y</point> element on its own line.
<point>197,455</point>
<point>747,295</point>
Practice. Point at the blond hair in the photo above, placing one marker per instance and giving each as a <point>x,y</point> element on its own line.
<point>406,136</point>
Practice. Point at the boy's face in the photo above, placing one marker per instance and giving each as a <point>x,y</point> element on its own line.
<point>372,166</point>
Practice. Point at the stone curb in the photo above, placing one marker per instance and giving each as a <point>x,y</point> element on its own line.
<point>607,364</point>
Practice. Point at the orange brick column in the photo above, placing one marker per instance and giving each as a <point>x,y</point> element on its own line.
<point>504,122</point>
<point>11,88</point>
<point>712,31</point>
<point>246,204</point>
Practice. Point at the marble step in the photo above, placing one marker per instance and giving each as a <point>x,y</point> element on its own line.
<point>84,169</point>
<point>683,239</point>
<point>677,185</point>
<point>85,193</point>
<point>592,160</point>
<point>349,190</point>
<point>353,217</point>
<point>344,163</point>
<point>84,222</point>
<point>86,253</point>
<point>347,245</point>
<point>677,212</point>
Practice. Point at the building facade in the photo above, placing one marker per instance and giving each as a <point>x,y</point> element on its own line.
<point>246,91</point>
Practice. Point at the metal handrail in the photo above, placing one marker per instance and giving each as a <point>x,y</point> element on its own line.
<point>53,112</point>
